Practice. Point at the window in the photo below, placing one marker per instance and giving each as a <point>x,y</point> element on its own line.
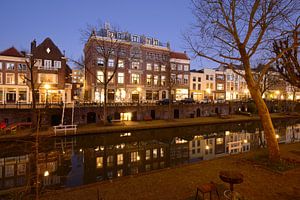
<point>10,78</point>
<point>155,80</point>
<point>121,78</point>
<point>179,67</point>
<point>0,65</point>
<point>156,68</point>
<point>156,42</point>
<point>38,62</point>
<point>199,86</point>
<point>47,64</point>
<point>111,63</point>
<point>220,77</point>
<point>155,95</point>
<point>1,78</point>
<point>219,140</point>
<point>99,162</point>
<point>110,161</point>
<point>211,77</point>
<point>148,95</point>
<point>161,152</point>
<point>135,78</point>
<point>149,67</point>
<point>120,159</point>
<point>134,156</point>
<point>163,80</point>
<point>199,79</point>
<point>21,79</point>
<point>48,78</point>
<point>148,154</point>
<point>22,67</point>
<point>149,41</point>
<point>21,169</point>
<point>135,65</point>
<point>100,61</point>
<point>194,79</point>
<point>100,76</point>
<point>149,79</point>
<point>230,77</point>
<point>163,68</point>
<point>207,77</point>
<point>9,170</point>
<point>154,153</point>
<point>185,78</point>
<point>121,63</point>
<point>135,38</point>
<point>186,68</point>
<point>220,86</point>
<point>10,66</point>
<point>173,66</point>
<point>179,78</point>
<point>57,64</point>
<point>109,75</point>
<point>211,86</point>
<point>194,86</point>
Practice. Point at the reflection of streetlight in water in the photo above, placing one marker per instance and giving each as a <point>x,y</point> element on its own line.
<point>47,87</point>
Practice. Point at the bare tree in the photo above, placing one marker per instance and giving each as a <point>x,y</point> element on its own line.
<point>103,50</point>
<point>288,65</point>
<point>171,81</point>
<point>238,32</point>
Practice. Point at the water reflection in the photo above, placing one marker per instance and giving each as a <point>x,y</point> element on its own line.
<point>74,161</point>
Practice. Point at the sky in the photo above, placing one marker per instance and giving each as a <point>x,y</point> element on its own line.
<point>61,20</point>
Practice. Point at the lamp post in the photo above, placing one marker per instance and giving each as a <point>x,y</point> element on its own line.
<point>47,87</point>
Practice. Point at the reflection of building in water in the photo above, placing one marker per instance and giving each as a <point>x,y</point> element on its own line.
<point>179,151</point>
<point>237,142</point>
<point>202,148</point>
<point>14,171</point>
<point>292,133</point>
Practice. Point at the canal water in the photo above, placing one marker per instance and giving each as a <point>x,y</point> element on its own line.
<point>75,161</point>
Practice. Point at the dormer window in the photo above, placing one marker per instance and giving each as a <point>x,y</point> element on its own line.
<point>57,64</point>
<point>135,38</point>
<point>156,42</point>
<point>149,41</point>
<point>47,64</point>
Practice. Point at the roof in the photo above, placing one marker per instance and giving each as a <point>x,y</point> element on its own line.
<point>12,51</point>
<point>179,55</point>
<point>40,51</point>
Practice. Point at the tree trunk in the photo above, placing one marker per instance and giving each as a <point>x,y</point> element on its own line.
<point>169,105</point>
<point>105,106</point>
<point>263,112</point>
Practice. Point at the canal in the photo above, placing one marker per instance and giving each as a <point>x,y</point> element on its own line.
<point>75,161</point>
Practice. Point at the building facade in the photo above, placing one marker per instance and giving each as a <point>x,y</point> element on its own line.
<point>144,68</point>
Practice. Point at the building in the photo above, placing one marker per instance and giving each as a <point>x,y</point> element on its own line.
<point>78,83</point>
<point>13,69</point>
<point>52,73</point>
<point>143,68</point>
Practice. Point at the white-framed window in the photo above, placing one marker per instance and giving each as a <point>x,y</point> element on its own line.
<point>154,153</point>
<point>47,64</point>
<point>111,63</point>
<point>186,68</point>
<point>220,86</point>
<point>57,64</point>
<point>185,78</point>
<point>120,159</point>
<point>134,156</point>
<point>149,66</point>
<point>155,80</point>
<point>121,63</point>
<point>100,61</point>
<point>163,68</point>
<point>0,78</point>
<point>121,78</point>
<point>173,66</point>
<point>135,78</point>
<point>10,78</point>
<point>109,74</point>
<point>99,162</point>
<point>21,169</point>
<point>135,65</point>
<point>21,79</point>
<point>38,63</point>
<point>156,67</point>
<point>9,170</point>
<point>149,41</point>
<point>48,78</point>
<point>135,38</point>
<point>162,152</point>
<point>149,79</point>
<point>0,65</point>
<point>100,76</point>
<point>110,161</point>
<point>22,67</point>
<point>10,66</point>
<point>148,154</point>
<point>163,80</point>
<point>156,42</point>
<point>179,78</point>
<point>179,67</point>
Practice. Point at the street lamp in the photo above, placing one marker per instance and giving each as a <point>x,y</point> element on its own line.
<point>47,87</point>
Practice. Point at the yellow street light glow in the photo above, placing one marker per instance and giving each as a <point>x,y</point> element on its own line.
<point>207,147</point>
<point>208,90</point>
<point>246,91</point>
<point>227,132</point>
<point>277,136</point>
<point>139,89</point>
<point>46,173</point>
<point>47,86</point>
<point>245,141</point>
<point>277,92</point>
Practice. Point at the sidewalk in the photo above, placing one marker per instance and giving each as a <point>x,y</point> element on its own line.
<point>141,125</point>
<point>181,182</point>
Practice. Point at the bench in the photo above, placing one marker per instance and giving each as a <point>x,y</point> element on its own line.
<point>65,129</point>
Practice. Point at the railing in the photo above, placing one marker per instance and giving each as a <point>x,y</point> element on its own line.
<point>65,129</point>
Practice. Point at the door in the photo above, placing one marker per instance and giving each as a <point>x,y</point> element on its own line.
<point>176,114</point>
<point>153,114</point>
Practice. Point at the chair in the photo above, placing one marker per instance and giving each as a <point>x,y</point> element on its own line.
<point>207,188</point>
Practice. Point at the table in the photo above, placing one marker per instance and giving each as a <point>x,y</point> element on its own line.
<point>232,177</point>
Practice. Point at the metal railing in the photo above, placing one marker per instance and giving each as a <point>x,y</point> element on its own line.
<point>65,129</point>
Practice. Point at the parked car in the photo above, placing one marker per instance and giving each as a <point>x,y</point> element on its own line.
<point>188,100</point>
<point>163,102</point>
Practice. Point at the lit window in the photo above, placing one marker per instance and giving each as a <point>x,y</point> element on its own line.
<point>100,76</point>
<point>120,159</point>
<point>219,140</point>
<point>154,153</point>
<point>121,63</point>
<point>48,78</point>
<point>135,78</point>
<point>148,154</point>
<point>100,61</point>
<point>0,77</point>
<point>161,152</point>
<point>110,62</point>
<point>149,79</point>
<point>110,161</point>
<point>47,64</point>
<point>121,78</point>
<point>186,68</point>
<point>156,68</point>
<point>109,75</point>
<point>179,67</point>
<point>135,65</point>
<point>149,67</point>
<point>10,78</point>
<point>22,67</point>
<point>163,80</point>
<point>0,65</point>
<point>155,80</point>
<point>99,162</point>
<point>134,156</point>
<point>163,68</point>
<point>220,86</point>
<point>21,79</point>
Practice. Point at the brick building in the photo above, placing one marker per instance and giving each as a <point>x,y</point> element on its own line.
<point>142,71</point>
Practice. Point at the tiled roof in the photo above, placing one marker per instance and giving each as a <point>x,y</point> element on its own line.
<point>179,55</point>
<point>12,51</point>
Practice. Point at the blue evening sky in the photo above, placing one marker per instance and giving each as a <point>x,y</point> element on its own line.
<point>61,20</point>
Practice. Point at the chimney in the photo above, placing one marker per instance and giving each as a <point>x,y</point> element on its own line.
<point>33,45</point>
